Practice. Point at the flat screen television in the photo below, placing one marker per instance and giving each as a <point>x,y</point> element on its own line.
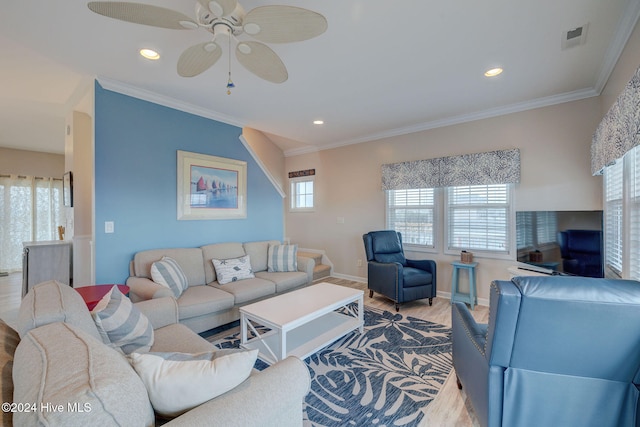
<point>540,241</point>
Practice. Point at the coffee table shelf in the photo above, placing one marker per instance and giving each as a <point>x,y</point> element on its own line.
<point>304,328</point>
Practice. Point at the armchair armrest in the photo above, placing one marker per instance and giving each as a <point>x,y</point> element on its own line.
<point>306,265</point>
<point>385,277</point>
<point>271,398</point>
<point>424,264</point>
<point>142,289</point>
<point>161,312</point>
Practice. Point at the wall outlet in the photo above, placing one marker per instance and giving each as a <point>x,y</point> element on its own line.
<point>359,263</point>
<point>108,227</point>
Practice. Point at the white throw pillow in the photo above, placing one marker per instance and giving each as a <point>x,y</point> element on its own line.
<point>233,269</point>
<point>121,323</point>
<point>168,273</point>
<point>177,382</point>
<point>282,258</point>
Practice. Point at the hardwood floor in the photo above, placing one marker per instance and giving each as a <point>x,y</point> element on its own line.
<point>450,408</point>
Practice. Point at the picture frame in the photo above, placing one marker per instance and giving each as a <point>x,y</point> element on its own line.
<point>210,187</point>
<point>67,189</point>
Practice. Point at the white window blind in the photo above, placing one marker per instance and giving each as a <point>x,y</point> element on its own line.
<point>633,173</point>
<point>411,212</point>
<point>613,214</point>
<point>478,218</point>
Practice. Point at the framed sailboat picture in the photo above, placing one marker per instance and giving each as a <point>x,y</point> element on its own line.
<point>211,187</point>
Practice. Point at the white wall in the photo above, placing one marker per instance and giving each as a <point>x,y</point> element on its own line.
<point>554,144</point>
<point>33,163</point>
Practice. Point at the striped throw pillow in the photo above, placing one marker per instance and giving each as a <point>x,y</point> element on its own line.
<point>233,269</point>
<point>168,273</point>
<point>121,323</point>
<point>282,258</point>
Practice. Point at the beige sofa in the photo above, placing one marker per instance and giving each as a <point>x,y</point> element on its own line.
<point>56,371</point>
<point>206,304</point>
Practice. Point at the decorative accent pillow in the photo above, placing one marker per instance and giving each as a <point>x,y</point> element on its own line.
<point>177,382</point>
<point>168,273</point>
<point>233,269</point>
<point>282,258</point>
<point>122,324</point>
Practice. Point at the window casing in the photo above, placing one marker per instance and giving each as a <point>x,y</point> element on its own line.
<point>622,217</point>
<point>413,213</point>
<point>302,195</point>
<point>479,219</point>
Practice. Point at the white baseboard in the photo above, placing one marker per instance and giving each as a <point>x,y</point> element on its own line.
<point>352,278</point>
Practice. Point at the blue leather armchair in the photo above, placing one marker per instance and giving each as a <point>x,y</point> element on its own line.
<point>394,276</point>
<point>558,351</point>
<point>581,252</point>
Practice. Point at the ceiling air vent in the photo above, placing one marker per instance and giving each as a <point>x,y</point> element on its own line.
<point>574,37</point>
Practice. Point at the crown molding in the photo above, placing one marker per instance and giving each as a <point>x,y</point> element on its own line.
<point>450,121</point>
<point>166,101</point>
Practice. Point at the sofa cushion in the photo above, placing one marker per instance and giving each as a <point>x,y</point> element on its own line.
<point>168,273</point>
<point>178,337</point>
<point>233,269</point>
<point>282,258</point>
<point>60,364</point>
<point>258,252</point>
<point>248,290</point>
<point>177,382</point>
<point>10,340</point>
<point>219,251</point>
<point>50,302</point>
<point>189,259</point>
<point>121,323</point>
<point>203,300</point>
<point>285,281</point>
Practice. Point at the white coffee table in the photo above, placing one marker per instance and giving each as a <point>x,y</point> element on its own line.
<point>302,321</point>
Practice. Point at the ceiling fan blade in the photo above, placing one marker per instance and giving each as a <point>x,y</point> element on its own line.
<point>198,58</point>
<point>219,8</point>
<point>143,14</point>
<point>283,24</point>
<point>261,61</point>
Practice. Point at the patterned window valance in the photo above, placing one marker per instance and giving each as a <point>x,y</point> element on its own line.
<point>619,130</point>
<point>493,167</point>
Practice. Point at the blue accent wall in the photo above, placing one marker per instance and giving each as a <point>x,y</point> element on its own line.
<point>136,145</point>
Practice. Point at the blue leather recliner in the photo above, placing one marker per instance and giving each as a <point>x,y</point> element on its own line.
<point>558,351</point>
<point>394,276</point>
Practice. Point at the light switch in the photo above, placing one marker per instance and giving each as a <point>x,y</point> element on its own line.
<point>108,226</point>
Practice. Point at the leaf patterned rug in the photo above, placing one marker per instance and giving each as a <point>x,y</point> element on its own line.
<point>384,377</point>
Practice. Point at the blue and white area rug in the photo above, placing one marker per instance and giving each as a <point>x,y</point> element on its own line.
<point>384,377</point>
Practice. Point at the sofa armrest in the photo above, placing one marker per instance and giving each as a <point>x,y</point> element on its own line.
<point>161,312</point>
<point>306,265</point>
<point>272,397</point>
<point>142,289</point>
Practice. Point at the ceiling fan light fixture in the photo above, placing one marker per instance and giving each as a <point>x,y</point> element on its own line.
<point>216,8</point>
<point>493,72</point>
<point>149,54</point>
<point>252,28</point>
<point>189,25</point>
<point>210,47</point>
<point>244,48</point>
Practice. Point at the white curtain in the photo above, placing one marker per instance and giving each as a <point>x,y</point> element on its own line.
<point>31,209</point>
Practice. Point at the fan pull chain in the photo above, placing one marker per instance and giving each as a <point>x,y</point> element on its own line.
<point>230,82</point>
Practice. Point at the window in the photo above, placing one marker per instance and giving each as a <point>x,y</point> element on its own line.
<point>479,218</point>
<point>302,194</point>
<point>622,217</point>
<point>412,213</point>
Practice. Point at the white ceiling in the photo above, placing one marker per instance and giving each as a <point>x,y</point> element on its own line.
<point>381,69</point>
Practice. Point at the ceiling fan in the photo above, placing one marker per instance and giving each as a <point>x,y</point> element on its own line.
<point>227,18</point>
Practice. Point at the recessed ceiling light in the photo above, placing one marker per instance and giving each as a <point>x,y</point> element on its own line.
<point>493,72</point>
<point>318,122</point>
<point>149,54</point>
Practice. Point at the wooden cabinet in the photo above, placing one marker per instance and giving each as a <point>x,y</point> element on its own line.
<point>43,261</point>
